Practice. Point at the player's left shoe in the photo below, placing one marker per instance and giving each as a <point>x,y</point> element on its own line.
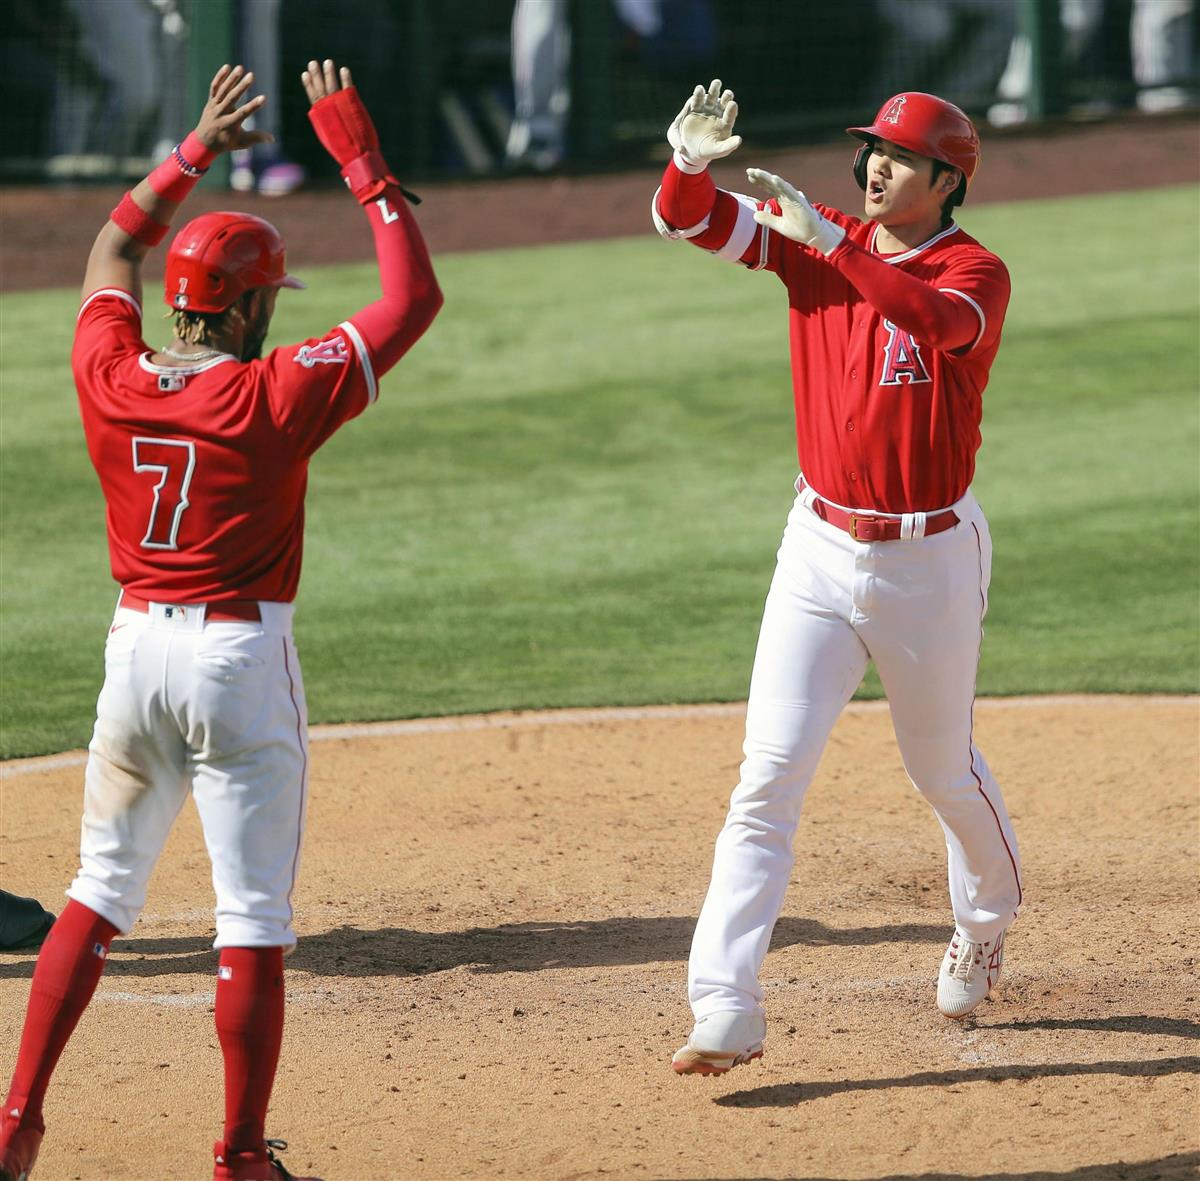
<point>721,1041</point>
<point>18,1147</point>
<point>258,1165</point>
<point>969,972</point>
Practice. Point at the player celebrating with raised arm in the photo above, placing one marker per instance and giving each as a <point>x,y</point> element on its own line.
<point>894,322</point>
<point>202,450</point>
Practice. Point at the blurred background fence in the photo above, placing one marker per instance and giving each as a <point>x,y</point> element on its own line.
<point>98,89</point>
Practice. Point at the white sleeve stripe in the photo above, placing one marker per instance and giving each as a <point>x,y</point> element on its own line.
<point>670,232</point>
<point>763,248</point>
<point>978,312</point>
<point>110,291</point>
<point>364,357</point>
<point>743,230</point>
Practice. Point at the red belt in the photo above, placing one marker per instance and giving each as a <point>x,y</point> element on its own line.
<point>228,611</point>
<point>872,528</point>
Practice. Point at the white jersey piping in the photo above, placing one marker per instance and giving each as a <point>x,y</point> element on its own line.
<point>110,291</point>
<point>364,357</point>
<point>892,259</point>
<point>978,312</point>
<point>183,370</point>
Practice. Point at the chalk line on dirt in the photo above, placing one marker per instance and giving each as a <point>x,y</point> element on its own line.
<point>537,719</point>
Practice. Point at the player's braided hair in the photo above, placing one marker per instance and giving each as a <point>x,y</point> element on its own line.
<point>197,327</point>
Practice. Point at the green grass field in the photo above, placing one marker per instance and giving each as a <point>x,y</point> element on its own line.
<point>572,490</point>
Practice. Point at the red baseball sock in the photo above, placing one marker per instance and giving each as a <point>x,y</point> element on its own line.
<point>249,1017</point>
<point>68,970</point>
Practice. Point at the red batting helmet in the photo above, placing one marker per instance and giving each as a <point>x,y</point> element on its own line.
<point>218,256</point>
<point>927,125</point>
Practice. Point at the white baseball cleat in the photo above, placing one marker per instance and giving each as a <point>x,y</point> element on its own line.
<point>969,972</point>
<point>720,1042</point>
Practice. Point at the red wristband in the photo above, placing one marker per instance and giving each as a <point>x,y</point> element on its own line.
<point>367,176</point>
<point>177,175</point>
<point>137,223</point>
<point>196,154</point>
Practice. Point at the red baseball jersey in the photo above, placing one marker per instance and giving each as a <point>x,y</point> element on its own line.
<point>884,419</point>
<point>204,467</point>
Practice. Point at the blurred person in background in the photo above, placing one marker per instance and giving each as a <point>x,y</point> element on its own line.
<point>110,82</point>
<point>667,34</point>
<point>1162,49</point>
<point>953,47</point>
<point>263,168</point>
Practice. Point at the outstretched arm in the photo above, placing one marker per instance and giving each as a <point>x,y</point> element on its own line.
<point>933,317</point>
<point>700,133</point>
<point>142,218</point>
<point>410,294</point>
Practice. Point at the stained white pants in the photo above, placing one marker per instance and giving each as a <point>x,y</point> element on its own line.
<point>916,609</point>
<point>216,709</point>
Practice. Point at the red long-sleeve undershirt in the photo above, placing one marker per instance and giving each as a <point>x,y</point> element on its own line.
<point>411,296</point>
<point>942,321</point>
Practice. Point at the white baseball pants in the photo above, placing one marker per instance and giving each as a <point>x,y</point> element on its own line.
<point>217,709</point>
<point>916,608</point>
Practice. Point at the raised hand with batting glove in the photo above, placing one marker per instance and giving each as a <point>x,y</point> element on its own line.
<point>702,131</point>
<point>796,219</point>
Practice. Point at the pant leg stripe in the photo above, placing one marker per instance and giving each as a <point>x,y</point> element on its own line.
<point>303,774</point>
<point>975,774</point>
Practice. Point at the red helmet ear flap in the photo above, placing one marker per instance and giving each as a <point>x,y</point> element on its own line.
<point>860,165</point>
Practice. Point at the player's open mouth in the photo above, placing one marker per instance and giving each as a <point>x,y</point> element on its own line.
<point>875,190</point>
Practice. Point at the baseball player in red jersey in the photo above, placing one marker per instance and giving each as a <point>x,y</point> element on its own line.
<point>202,449</point>
<point>894,320</point>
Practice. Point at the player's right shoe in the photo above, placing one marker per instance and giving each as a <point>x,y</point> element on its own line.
<point>969,972</point>
<point>258,1165</point>
<point>721,1041</point>
<point>18,1147</point>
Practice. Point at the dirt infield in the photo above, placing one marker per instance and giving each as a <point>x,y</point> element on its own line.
<point>495,915</point>
<point>47,233</point>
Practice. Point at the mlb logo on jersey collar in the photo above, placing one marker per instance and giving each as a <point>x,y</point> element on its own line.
<point>171,383</point>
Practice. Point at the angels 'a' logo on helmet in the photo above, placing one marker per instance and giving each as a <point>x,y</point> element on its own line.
<point>895,109</point>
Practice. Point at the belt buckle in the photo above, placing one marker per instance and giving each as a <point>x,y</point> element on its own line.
<point>853,530</point>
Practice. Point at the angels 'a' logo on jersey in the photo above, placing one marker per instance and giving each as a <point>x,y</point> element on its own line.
<point>328,352</point>
<point>902,360</point>
<point>895,109</point>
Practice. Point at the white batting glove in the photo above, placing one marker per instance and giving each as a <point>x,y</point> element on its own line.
<point>701,131</point>
<point>798,220</point>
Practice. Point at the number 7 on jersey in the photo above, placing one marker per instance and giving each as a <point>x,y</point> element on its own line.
<point>174,460</point>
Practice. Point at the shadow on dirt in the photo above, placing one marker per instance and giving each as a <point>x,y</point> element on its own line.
<point>1168,1168</point>
<point>511,947</point>
<point>1167,1026</point>
<point>793,1094</point>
